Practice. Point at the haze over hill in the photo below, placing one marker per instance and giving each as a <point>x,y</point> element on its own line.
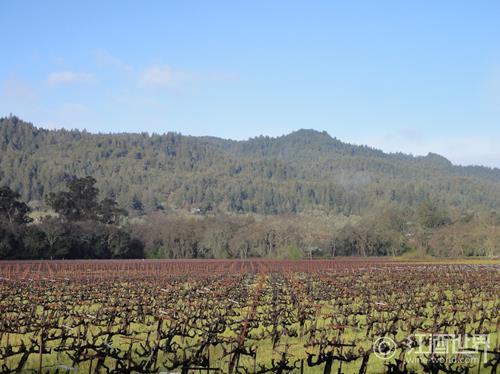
<point>302,171</point>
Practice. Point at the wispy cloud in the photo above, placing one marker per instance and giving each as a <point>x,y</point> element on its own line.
<point>104,58</point>
<point>68,77</point>
<point>15,88</point>
<point>166,77</point>
<point>67,115</point>
<point>462,150</point>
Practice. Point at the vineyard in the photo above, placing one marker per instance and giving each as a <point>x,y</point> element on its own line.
<point>253,316</point>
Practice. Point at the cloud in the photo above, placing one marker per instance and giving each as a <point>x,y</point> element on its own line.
<point>471,150</point>
<point>461,150</point>
<point>166,77</point>
<point>19,98</point>
<point>67,115</point>
<point>157,76</point>
<point>104,58</point>
<point>68,77</point>
<point>14,88</point>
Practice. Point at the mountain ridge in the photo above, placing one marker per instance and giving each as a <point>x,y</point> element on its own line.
<point>308,132</point>
<point>306,169</point>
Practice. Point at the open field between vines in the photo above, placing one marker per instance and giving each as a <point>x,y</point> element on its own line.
<point>253,316</point>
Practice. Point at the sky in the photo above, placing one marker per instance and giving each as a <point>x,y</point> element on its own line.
<point>416,77</point>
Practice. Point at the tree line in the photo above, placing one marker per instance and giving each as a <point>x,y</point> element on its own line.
<point>389,232</point>
<point>84,228</point>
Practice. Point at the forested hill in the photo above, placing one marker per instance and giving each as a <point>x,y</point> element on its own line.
<point>303,171</point>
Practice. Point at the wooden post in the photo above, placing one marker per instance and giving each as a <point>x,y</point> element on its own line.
<point>255,361</point>
<point>40,356</point>
<point>479,363</point>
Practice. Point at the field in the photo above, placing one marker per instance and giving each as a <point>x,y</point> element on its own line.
<point>253,316</point>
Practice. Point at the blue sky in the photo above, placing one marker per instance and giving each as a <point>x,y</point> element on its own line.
<point>418,77</point>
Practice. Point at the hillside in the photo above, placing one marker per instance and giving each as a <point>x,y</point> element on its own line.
<point>297,195</point>
<point>302,171</point>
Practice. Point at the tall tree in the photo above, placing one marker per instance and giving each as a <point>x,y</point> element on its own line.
<point>12,210</point>
<point>80,203</point>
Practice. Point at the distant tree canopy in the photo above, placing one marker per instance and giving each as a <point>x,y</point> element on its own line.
<point>300,172</point>
<point>431,215</point>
